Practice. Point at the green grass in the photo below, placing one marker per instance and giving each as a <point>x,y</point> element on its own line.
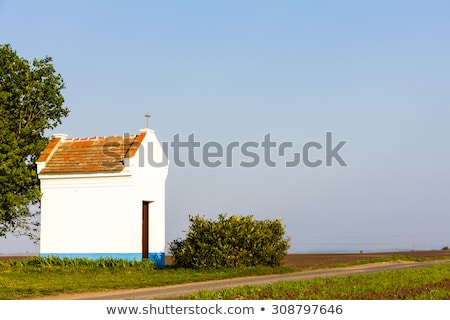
<point>53,261</point>
<point>35,277</point>
<point>423,283</point>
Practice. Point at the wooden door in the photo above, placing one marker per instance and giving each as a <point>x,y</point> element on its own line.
<point>145,205</point>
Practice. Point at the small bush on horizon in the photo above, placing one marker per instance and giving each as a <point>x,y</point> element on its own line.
<point>235,241</point>
<point>445,248</point>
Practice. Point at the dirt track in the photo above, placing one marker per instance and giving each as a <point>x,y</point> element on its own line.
<point>293,260</point>
<point>174,291</point>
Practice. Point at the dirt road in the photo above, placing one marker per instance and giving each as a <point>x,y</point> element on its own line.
<point>170,292</point>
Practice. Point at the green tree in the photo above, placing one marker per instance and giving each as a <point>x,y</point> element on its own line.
<point>30,103</point>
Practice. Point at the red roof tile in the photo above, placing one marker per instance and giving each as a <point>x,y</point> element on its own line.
<point>89,155</point>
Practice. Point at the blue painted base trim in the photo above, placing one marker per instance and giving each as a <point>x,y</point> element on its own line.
<point>157,257</point>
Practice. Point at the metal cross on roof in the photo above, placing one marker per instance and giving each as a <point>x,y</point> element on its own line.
<point>146,119</point>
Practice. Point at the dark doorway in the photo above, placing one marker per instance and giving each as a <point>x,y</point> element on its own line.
<point>145,210</point>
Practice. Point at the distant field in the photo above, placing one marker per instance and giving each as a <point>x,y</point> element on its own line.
<point>310,260</point>
<point>6,257</point>
<point>328,259</point>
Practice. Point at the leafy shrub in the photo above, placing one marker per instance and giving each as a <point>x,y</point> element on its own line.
<point>445,248</point>
<point>234,241</point>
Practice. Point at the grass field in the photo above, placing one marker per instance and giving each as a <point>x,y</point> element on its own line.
<point>24,278</point>
<point>429,283</point>
<point>34,277</point>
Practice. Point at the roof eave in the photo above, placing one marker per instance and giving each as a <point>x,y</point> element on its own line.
<point>75,175</point>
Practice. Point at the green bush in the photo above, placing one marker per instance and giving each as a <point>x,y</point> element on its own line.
<point>234,241</point>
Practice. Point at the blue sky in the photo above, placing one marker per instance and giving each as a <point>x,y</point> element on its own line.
<point>375,73</point>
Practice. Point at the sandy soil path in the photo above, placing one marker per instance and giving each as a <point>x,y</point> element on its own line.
<point>170,292</point>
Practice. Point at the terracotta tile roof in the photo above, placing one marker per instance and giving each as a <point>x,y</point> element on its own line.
<point>89,155</point>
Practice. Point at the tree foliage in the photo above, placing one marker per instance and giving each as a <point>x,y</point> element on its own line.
<point>30,103</point>
<point>234,241</point>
